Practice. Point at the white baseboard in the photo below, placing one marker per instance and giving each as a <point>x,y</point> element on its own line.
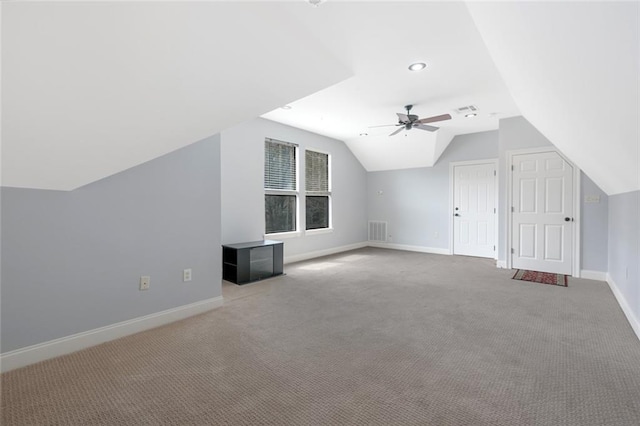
<point>421,249</point>
<point>66,345</point>
<point>502,264</point>
<point>320,253</point>
<point>593,275</point>
<point>635,324</point>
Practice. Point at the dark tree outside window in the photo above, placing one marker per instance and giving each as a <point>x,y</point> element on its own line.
<point>317,212</point>
<point>280,213</point>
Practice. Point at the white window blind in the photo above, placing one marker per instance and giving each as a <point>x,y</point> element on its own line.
<point>318,197</point>
<point>316,172</point>
<point>280,165</point>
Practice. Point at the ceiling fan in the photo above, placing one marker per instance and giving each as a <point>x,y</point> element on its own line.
<point>410,121</point>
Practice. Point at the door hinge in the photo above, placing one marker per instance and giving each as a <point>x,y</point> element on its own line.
<point>513,251</point>
<point>512,168</point>
<point>494,172</point>
<point>513,209</point>
<point>494,210</point>
<point>494,248</point>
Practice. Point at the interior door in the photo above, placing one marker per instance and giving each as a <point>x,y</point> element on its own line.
<point>474,210</point>
<point>542,213</point>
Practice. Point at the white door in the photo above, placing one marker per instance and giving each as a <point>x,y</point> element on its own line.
<point>542,213</point>
<point>474,210</point>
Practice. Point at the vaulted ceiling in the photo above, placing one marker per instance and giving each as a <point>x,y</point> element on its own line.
<point>90,89</point>
<point>573,69</point>
<point>379,41</point>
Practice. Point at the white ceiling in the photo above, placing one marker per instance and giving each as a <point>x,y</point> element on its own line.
<point>90,89</point>
<point>574,70</point>
<point>379,41</point>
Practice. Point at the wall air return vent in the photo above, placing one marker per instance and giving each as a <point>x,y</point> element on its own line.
<point>466,109</point>
<point>378,231</point>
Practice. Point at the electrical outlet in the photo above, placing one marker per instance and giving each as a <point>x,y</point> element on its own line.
<point>186,275</point>
<point>436,235</point>
<point>145,282</point>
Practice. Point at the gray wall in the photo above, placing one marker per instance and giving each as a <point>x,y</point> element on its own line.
<point>415,202</point>
<point>593,232</point>
<point>243,187</point>
<point>71,261</point>
<point>624,246</point>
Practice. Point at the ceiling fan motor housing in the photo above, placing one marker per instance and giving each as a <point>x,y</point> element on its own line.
<point>410,121</point>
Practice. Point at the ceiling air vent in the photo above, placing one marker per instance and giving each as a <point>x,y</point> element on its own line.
<point>466,109</point>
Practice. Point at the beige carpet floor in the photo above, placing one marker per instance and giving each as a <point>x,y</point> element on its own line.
<point>368,337</point>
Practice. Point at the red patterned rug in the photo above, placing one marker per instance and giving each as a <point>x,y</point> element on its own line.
<point>541,277</point>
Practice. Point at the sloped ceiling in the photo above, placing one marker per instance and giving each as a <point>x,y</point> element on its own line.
<point>573,69</point>
<point>90,89</point>
<point>379,40</point>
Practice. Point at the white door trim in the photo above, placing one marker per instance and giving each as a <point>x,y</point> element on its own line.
<point>575,268</point>
<point>452,165</point>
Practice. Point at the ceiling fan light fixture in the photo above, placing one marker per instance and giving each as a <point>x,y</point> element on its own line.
<point>287,107</point>
<point>473,114</point>
<point>417,66</point>
<point>364,134</point>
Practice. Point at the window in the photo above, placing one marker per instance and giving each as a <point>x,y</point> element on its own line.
<point>318,195</point>
<point>281,186</point>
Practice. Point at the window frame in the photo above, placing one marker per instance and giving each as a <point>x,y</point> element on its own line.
<point>296,193</point>
<point>328,194</point>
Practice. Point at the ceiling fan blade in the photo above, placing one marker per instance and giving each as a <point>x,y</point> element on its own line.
<point>427,128</point>
<point>397,131</point>
<point>384,125</point>
<point>403,118</point>
<point>434,118</point>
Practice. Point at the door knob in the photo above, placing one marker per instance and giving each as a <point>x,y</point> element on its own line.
<point>456,214</point>
<point>567,219</point>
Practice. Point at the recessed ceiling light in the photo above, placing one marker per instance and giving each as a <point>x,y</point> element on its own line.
<point>473,114</point>
<point>286,107</point>
<point>417,66</point>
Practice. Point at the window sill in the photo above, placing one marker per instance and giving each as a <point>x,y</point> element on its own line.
<point>319,231</point>
<point>282,235</point>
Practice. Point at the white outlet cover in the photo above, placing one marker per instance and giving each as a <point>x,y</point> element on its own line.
<point>186,275</point>
<point>145,282</point>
